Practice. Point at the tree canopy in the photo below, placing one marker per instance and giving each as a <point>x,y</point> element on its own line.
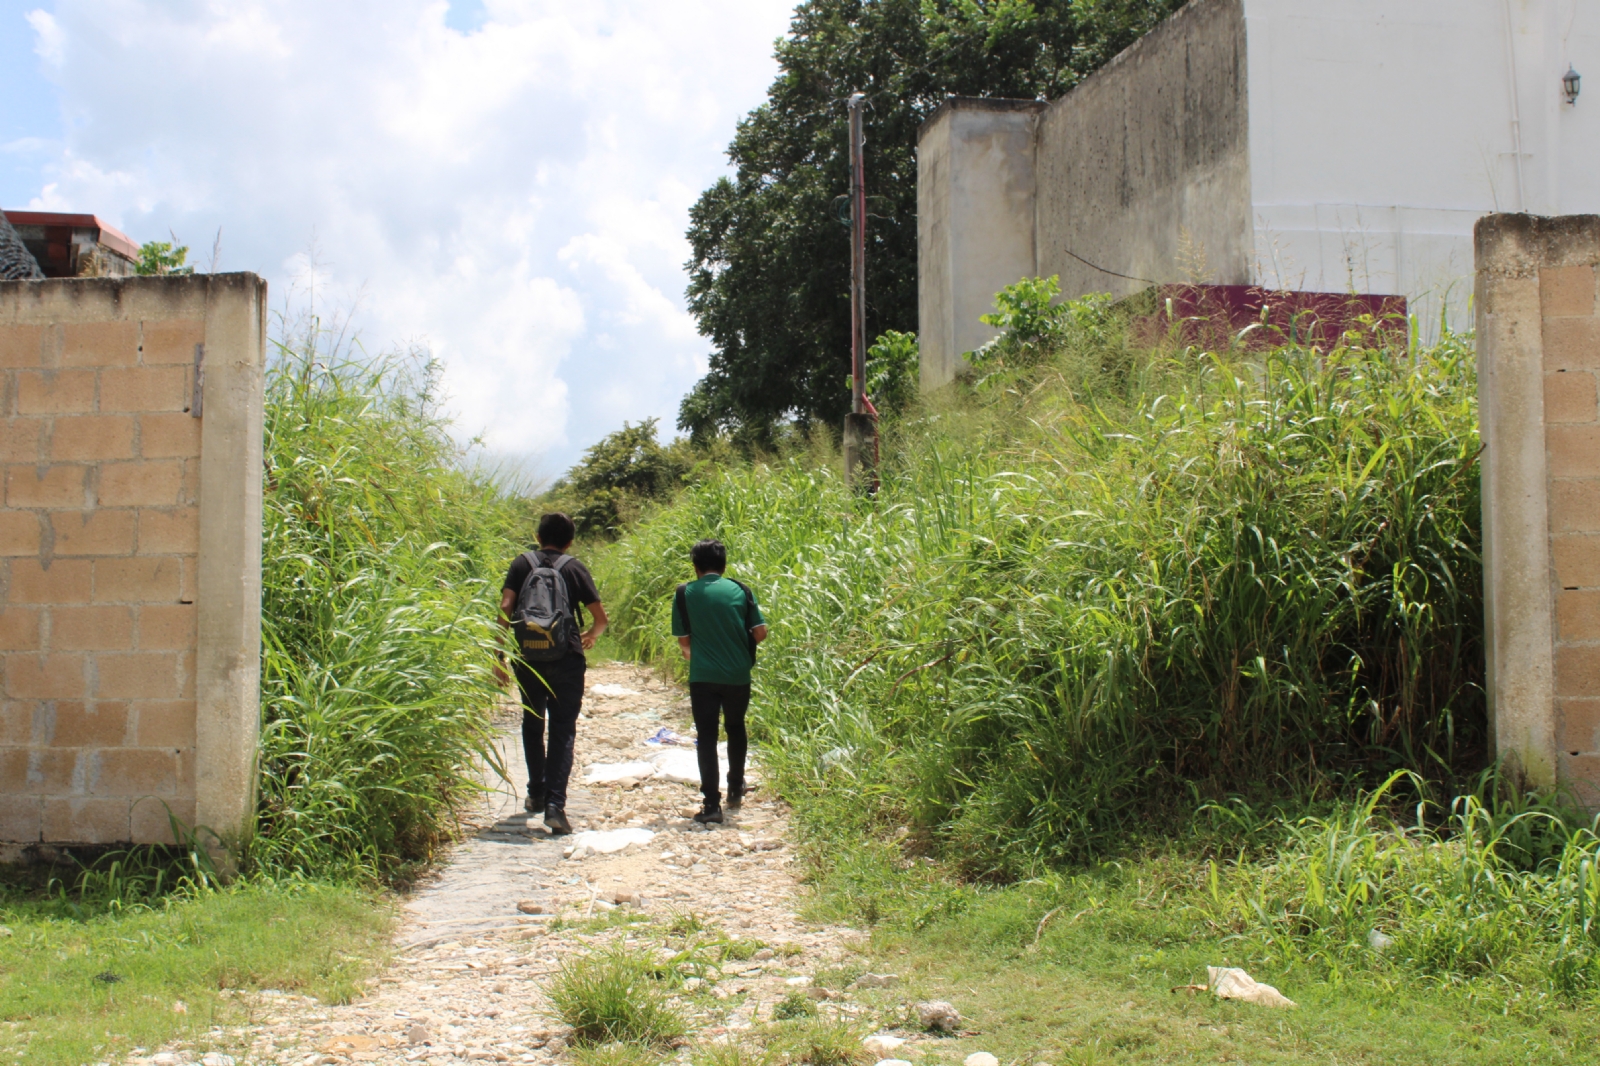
<point>770,266</point>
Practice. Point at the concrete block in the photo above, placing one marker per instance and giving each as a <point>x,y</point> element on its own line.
<point>153,817</point>
<point>20,437</point>
<point>169,436</point>
<point>19,629</point>
<point>58,676</point>
<point>138,580</point>
<point>22,346</point>
<point>19,533</point>
<point>141,483</point>
<point>100,344</point>
<point>172,342</point>
<point>1571,344</point>
<point>16,777</point>
<point>103,628</point>
<point>92,437</point>
<point>77,724</point>
<point>169,627</point>
<point>21,818</point>
<point>58,485</point>
<point>16,724</point>
<point>164,723</point>
<point>1580,725</point>
<point>86,820</point>
<point>1578,615</point>
<point>1577,670</point>
<point>1566,290</point>
<point>65,581</point>
<point>138,675</point>
<point>145,388</point>
<point>55,392</point>
<point>1581,773</point>
<point>136,772</point>
<point>169,531</point>
<point>1574,450</point>
<point>1577,560</point>
<point>93,532</point>
<point>1575,506</point>
<point>1570,397</point>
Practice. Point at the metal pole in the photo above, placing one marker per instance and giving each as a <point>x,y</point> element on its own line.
<point>858,259</point>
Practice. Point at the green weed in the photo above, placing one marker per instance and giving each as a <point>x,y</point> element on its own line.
<point>611,997</point>
<point>817,1042</point>
<point>794,1005</point>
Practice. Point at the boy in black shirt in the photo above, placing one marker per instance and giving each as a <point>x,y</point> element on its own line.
<point>553,691</point>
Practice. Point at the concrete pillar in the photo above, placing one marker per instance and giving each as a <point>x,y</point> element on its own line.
<point>975,206</point>
<point>1538,365</point>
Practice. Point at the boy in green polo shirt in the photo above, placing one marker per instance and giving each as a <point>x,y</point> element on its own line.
<point>718,618</point>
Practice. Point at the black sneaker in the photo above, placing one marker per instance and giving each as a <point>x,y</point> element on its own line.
<point>710,813</point>
<point>555,820</point>
<point>735,795</point>
<point>530,806</point>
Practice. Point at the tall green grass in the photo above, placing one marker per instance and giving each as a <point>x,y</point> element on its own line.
<point>380,556</point>
<point>1106,587</point>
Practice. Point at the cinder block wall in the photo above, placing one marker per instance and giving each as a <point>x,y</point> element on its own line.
<point>1538,300</point>
<point>129,556</point>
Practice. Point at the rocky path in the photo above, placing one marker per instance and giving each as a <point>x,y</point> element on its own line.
<point>479,943</point>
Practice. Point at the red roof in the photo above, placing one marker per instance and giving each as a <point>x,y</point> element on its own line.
<point>110,236</point>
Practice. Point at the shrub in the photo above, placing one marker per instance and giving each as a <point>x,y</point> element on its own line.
<point>611,997</point>
<point>380,556</point>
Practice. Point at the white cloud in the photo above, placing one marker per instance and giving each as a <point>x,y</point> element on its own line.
<point>515,196</point>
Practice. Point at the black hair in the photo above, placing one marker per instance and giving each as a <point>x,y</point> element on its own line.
<point>709,556</point>
<point>556,530</point>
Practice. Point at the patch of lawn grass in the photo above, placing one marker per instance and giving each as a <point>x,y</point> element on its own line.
<point>1097,989</point>
<point>611,996</point>
<point>76,990</point>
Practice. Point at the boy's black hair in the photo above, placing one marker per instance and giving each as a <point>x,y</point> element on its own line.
<point>556,530</point>
<point>709,556</point>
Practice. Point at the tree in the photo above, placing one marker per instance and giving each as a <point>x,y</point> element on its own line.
<point>615,477</point>
<point>160,257</point>
<point>769,266</point>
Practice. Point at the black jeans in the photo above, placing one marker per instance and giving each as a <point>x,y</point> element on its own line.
<point>708,700</point>
<point>559,705</point>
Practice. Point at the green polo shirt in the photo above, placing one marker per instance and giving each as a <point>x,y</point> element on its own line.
<point>719,647</point>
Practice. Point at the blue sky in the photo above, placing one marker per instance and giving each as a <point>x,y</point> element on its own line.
<point>504,181</point>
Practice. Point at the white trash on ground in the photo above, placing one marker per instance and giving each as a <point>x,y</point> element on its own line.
<point>601,773</point>
<point>614,690</point>
<point>668,735</point>
<point>606,841</point>
<point>1230,982</point>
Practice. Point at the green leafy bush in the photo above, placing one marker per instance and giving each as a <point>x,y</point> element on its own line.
<point>380,558</point>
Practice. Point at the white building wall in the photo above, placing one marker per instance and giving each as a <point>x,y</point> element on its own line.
<point>1381,130</point>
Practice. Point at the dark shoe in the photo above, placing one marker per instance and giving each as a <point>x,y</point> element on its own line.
<point>529,805</point>
<point>710,813</point>
<point>555,820</point>
<point>735,795</point>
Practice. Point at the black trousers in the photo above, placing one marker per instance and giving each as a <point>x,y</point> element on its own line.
<point>552,704</point>
<point>709,701</point>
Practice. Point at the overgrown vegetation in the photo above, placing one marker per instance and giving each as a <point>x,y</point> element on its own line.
<point>612,997</point>
<point>1132,622</point>
<point>380,551</point>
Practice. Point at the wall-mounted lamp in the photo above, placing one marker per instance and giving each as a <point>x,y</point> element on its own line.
<point>1569,84</point>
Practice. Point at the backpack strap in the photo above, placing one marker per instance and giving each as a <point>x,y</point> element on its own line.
<point>559,563</point>
<point>682,601</point>
<point>749,613</point>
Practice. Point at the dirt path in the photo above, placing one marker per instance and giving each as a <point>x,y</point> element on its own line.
<point>469,978</point>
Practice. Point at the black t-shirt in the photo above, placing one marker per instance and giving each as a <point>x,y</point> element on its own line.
<point>580,586</point>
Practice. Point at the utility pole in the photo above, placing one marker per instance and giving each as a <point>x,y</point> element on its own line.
<point>860,428</point>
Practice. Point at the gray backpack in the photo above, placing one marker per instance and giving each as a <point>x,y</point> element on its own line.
<point>543,619</point>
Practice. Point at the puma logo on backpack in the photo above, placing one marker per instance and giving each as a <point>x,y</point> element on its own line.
<point>543,619</point>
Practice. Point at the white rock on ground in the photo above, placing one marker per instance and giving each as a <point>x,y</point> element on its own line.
<point>937,1014</point>
<point>881,1044</point>
<point>980,1058</point>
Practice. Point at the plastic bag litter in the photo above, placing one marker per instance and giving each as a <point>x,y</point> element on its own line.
<point>1230,982</point>
<point>606,841</point>
<point>602,773</point>
<point>613,690</point>
<point>681,766</point>
<point>668,735</point>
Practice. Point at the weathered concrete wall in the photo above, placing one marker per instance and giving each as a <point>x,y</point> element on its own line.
<point>1538,357</point>
<point>130,556</point>
<point>975,219</point>
<point>1144,169</point>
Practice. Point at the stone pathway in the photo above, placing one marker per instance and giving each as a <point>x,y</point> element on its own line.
<point>471,967</point>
